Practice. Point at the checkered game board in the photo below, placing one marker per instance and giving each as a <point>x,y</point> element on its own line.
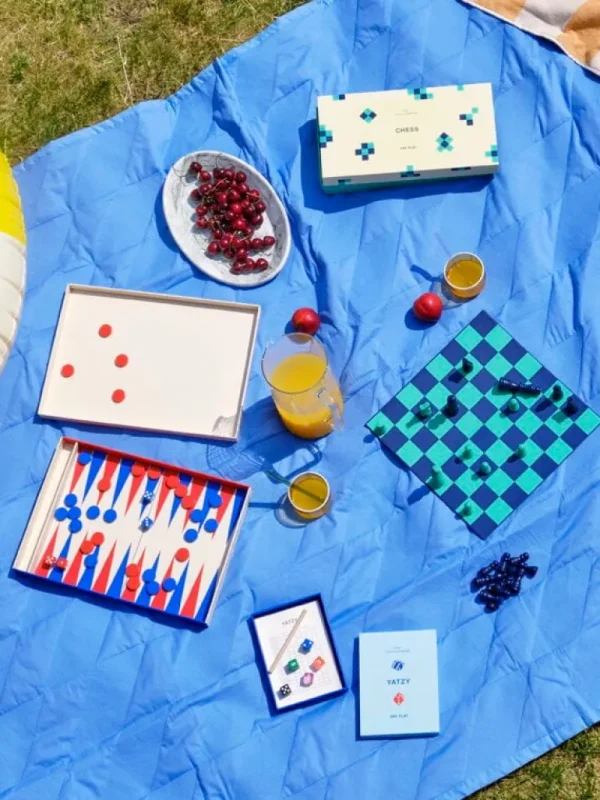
<point>483,420</point>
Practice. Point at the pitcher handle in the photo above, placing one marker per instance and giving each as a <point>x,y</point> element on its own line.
<point>337,423</point>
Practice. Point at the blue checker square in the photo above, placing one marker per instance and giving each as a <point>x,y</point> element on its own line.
<point>148,575</point>
<point>422,468</point>
<point>573,436</point>
<point>394,439</point>
<point>75,526</point>
<point>190,535</point>
<point>544,408</point>
<point>513,374</point>
<point>93,512</point>
<point>110,515</point>
<point>454,497</point>
<point>483,409</point>
<point>514,496</point>
<point>483,526</point>
<point>424,439</point>
<point>424,381</point>
<point>71,500</point>
<point>454,439</point>
<point>483,323</point>
<point>514,467</point>
<point>484,381</point>
<point>394,410</point>
<point>484,496</point>
<point>483,352</point>
<point>74,513</point>
<point>60,514</point>
<point>544,437</point>
<point>544,379</point>
<point>483,438</point>
<point>454,380</point>
<point>196,515</point>
<point>513,351</point>
<point>454,352</point>
<point>513,437</point>
<point>544,466</point>
<point>211,525</point>
<point>454,468</point>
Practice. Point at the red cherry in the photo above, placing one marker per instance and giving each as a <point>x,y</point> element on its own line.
<point>236,208</point>
<point>239,224</point>
<point>205,189</point>
<point>257,220</point>
<point>229,174</point>
<point>236,242</point>
<point>229,253</point>
<point>195,195</point>
<point>254,193</point>
<point>236,268</point>
<point>269,241</point>
<point>196,167</point>
<point>242,188</point>
<point>261,264</point>
<point>260,207</point>
<point>233,196</point>
<point>205,176</point>
<point>226,240</point>
<point>250,263</point>
<point>202,222</point>
<point>245,203</point>
<point>428,307</point>
<point>241,177</point>
<point>306,320</point>
<point>248,212</point>
<point>221,198</point>
<point>256,244</point>
<point>241,254</point>
<point>201,211</point>
<point>218,173</point>
<point>213,248</point>
<point>229,215</point>
<point>218,235</point>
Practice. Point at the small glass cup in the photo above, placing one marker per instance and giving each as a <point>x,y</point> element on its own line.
<point>464,275</point>
<point>309,495</point>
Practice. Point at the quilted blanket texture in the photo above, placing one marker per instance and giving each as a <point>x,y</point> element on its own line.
<point>101,702</point>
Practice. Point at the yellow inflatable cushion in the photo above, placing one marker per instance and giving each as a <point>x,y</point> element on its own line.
<point>12,259</point>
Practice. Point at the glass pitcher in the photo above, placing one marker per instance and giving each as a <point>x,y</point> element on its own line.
<point>304,389</point>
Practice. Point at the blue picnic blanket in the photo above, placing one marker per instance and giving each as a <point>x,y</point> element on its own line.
<point>105,702</point>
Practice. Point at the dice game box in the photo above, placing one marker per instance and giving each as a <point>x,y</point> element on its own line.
<point>372,139</point>
<point>297,654</point>
<point>398,684</point>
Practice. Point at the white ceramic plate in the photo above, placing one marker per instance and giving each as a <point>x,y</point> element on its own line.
<point>180,215</point>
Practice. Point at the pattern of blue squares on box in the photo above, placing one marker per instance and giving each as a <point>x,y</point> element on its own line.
<point>339,96</point>
<point>409,172</point>
<point>420,93</point>
<point>492,153</point>
<point>365,150</point>
<point>344,181</point>
<point>325,136</point>
<point>460,169</point>
<point>484,423</point>
<point>368,115</point>
<point>444,142</point>
<point>469,118</point>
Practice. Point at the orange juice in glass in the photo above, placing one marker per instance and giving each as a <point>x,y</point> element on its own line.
<point>464,275</point>
<point>304,389</point>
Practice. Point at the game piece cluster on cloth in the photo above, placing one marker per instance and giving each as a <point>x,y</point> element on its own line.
<point>485,459</point>
<point>135,530</point>
<point>501,580</point>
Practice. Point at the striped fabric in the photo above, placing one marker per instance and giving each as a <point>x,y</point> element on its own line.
<point>574,25</point>
<point>12,259</point>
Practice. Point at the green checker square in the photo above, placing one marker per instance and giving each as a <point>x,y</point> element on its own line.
<point>439,453</point>
<point>499,423</point>
<point>410,395</point>
<point>439,367</point>
<point>379,421</point>
<point>468,424</point>
<point>469,395</point>
<point>528,366</point>
<point>498,338</point>
<point>498,398</point>
<point>498,452</point>
<point>498,366</point>
<point>468,482</point>
<point>559,450</point>
<point>499,482</point>
<point>559,422</point>
<point>474,515</point>
<point>468,338</point>
<point>409,424</point>
<point>528,481</point>
<point>439,424</point>
<point>588,421</point>
<point>437,396</point>
<point>409,453</point>
<point>529,423</point>
<point>532,452</point>
<point>499,510</point>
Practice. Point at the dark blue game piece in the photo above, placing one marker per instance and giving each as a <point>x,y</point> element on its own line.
<point>169,584</point>
<point>479,582</point>
<point>492,605</point>
<point>91,561</point>
<point>148,575</point>
<point>211,525</point>
<point>196,515</point>
<point>146,523</point>
<point>523,558</point>
<point>451,407</point>
<point>571,406</point>
<point>93,512</point>
<point>531,571</point>
<point>285,690</point>
<point>467,365</point>
<point>527,389</point>
<point>152,588</point>
<point>306,645</point>
<point>84,458</point>
<point>60,514</point>
<point>75,526</point>
<point>74,513</point>
<point>190,535</point>
<point>110,515</point>
<point>147,497</point>
<point>71,500</point>
<point>557,393</point>
<point>214,501</point>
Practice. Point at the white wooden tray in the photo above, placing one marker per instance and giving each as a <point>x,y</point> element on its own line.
<point>170,364</point>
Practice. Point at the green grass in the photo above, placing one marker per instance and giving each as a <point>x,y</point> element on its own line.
<point>65,64</point>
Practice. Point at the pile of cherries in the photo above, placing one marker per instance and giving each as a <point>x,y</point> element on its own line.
<point>231,211</point>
